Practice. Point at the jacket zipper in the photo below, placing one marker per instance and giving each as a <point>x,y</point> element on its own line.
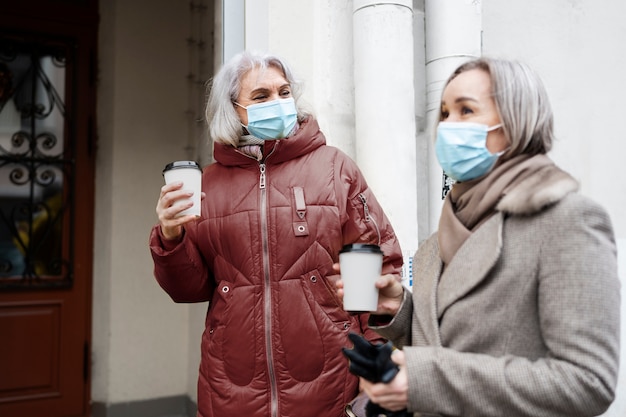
<point>368,218</point>
<point>268,294</point>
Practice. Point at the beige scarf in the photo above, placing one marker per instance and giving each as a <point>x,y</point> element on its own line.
<point>469,204</point>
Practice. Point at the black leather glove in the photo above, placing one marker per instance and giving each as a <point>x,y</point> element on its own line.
<point>373,362</point>
<point>370,361</point>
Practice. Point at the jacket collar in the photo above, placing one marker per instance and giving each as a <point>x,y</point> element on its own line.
<point>308,138</point>
<point>438,291</point>
<point>472,262</point>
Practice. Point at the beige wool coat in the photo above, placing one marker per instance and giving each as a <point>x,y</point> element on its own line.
<point>525,319</point>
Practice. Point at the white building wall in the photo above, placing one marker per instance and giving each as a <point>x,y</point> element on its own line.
<point>140,337</point>
<point>577,48</point>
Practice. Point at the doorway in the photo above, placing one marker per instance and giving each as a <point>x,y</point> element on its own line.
<point>47,157</point>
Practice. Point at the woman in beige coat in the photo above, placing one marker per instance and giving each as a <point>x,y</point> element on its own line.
<point>516,299</point>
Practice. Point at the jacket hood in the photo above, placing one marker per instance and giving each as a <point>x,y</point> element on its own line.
<point>307,138</point>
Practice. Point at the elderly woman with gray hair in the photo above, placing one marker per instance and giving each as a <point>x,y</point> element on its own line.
<point>278,206</point>
<point>516,299</point>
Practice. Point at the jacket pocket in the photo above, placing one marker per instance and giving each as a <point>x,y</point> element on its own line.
<point>322,292</point>
<point>232,331</point>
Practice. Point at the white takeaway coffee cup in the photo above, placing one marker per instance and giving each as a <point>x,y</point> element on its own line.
<point>190,173</point>
<point>361,266</point>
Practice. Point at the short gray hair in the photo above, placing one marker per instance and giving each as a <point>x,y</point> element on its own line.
<point>222,119</point>
<point>521,101</point>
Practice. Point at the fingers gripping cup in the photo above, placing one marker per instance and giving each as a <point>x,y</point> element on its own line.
<point>361,266</point>
<point>190,174</point>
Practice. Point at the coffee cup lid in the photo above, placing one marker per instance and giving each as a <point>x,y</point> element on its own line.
<point>361,247</point>
<point>182,164</point>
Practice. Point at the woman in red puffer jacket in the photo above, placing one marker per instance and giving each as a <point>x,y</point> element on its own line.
<point>278,205</point>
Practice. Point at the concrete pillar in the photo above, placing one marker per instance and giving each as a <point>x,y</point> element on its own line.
<point>385,109</point>
<point>453,36</point>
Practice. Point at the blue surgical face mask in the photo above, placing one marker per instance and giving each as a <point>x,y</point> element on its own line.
<point>462,152</point>
<point>272,119</point>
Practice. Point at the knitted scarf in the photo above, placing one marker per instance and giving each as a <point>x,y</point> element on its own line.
<point>253,146</point>
<point>469,204</point>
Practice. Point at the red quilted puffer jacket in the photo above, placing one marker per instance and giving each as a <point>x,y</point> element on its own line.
<point>262,254</point>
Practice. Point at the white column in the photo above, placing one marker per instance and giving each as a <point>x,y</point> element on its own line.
<point>385,109</point>
<point>257,16</point>
<point>453,36</point>
<point>233,28</point>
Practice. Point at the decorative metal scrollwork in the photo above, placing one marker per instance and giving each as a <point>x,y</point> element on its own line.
<point>446,185</point>
<point>36,195</point>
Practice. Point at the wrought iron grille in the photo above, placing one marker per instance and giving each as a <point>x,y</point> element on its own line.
<point>446,186</point>
<point>36,164</point>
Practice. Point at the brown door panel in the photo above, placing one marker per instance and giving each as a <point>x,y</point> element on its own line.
<point>47,157</point>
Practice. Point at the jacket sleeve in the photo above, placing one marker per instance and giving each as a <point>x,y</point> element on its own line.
<point>364,220</point>
<point>180,270</point>
<point>578,300</point>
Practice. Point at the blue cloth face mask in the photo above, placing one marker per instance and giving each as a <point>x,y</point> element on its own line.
<point>462,152</point>
<point>272,119</point>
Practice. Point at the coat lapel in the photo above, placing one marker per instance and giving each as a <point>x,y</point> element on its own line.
<point>471,263</point>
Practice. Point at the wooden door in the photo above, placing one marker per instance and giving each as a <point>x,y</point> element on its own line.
<point>47,156</point>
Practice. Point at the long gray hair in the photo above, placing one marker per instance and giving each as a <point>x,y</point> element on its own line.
<point>521,101</point>
<point>222,119</point>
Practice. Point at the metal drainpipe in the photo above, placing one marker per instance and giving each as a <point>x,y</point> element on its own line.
<point>453,36</point>
<point>385,109</point>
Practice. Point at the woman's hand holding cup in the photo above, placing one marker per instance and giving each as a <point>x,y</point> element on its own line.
<point>390,292</point>
<point>169,213</point>
<point>179,202</point>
